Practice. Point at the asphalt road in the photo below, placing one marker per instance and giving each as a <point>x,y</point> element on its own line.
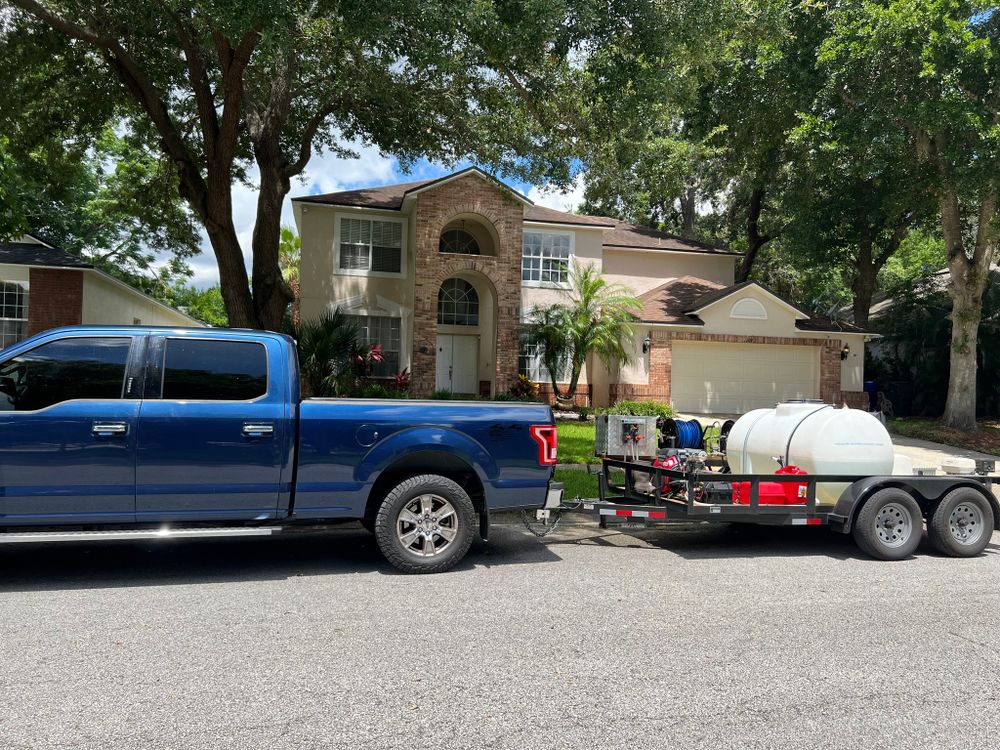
<point>711,638</point>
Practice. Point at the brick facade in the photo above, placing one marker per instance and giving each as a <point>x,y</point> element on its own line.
<point>434,209</point>
<point>584,395</point>
<point>56,299</point>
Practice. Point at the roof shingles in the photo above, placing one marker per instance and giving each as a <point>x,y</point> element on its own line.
<point>36,254</point>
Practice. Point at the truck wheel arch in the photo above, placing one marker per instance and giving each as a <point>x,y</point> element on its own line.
<point>427,461</point>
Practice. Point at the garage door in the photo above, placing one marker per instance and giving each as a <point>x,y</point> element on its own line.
<point>735,378</point>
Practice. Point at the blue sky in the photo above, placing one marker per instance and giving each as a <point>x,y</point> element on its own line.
<point>327,173</point>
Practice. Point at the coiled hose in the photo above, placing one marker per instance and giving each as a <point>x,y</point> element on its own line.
<point>686,433</point>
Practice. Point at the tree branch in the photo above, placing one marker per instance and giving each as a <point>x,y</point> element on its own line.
<point>198,76</point>
<point>305,146</point>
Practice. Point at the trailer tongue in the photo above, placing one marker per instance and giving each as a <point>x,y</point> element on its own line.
<point>886,512</point>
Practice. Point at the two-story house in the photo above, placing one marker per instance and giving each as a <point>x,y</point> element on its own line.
<point>443,272</point>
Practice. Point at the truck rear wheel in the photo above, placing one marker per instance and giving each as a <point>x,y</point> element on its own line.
<point>962,523</point>
<point>425,524</point>
<point>890,525</point>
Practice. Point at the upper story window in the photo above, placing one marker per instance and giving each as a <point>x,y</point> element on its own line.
<point>13,312</point>
<point>371,245</point>
<point>64,370</point>
<point>546,257</point>
<point>458,303</point>
<point>458,241</point>
<point>214,370</point>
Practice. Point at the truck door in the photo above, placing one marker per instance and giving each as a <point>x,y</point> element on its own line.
<point>68,430</point>
<point>214,434</point>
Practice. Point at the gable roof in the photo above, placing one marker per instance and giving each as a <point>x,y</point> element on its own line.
<point>391,197</point>
<point>678,301</point>
<point>38,254</point>
<point>617,234</point>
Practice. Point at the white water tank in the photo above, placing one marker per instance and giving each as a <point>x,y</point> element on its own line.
<point>819,438</point>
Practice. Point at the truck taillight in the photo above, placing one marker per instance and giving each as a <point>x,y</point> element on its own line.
<point>545,436</point>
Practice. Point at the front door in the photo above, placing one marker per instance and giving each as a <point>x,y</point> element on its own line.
<point>214,436</point>
<point>458,363</point>
<point>68,432</point>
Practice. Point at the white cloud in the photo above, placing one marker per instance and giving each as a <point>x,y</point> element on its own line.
<point>550,197</point>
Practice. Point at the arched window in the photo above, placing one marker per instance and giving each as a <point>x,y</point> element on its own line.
<point>458,303</point>
<point>458,241</point>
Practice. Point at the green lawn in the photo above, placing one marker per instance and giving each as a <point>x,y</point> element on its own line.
<point>985,440</point>
<point>578,483</point>
<point>576,443</point>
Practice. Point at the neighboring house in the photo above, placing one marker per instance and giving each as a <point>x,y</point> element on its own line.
<point>43,287</point>
<point>443,272</point>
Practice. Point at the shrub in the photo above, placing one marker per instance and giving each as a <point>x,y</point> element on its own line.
<point>442,394</point>
<point>643,409</point>
<point>584,413</point>
<point>403,380</point>
<point>523,389</point>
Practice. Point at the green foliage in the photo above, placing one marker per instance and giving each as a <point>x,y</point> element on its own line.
<point>594,317</point>
<point>326,346</point>
<point>375,390</point>
<point>443,394</point>
<point>204,304</point>
<point>916,347</point>
<point>522,388</point>
<point>642,409</point>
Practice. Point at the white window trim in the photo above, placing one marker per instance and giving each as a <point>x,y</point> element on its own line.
<point>570,262</point>
<point>338,271</point>
<point>27,288</point>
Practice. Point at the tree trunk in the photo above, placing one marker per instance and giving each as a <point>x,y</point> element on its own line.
<point>271,294</point>
<point>755,240</point>
<point>966,287</point>
<point>688,213</point>
<point>233,281</point>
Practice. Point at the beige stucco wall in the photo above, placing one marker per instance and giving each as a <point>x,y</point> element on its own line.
<point>107,303</point>
<point>13,273</point>
<point>586,249</point>
<point>642,271</point>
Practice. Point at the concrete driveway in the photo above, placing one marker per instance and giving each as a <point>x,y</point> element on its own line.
<point>713,637</point>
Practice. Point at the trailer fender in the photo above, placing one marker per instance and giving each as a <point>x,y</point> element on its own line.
<point>925,490</point>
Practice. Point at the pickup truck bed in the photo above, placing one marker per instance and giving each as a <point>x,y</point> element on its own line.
<point>139,427</point>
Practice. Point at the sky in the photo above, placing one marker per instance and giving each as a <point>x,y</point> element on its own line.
<point>328,173</point>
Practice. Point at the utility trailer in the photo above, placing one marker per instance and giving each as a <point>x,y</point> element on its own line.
<point>886,514</point>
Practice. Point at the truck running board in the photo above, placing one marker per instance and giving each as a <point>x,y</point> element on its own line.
<point>162,533</point>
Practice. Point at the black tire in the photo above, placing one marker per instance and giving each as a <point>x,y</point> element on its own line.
<point>390,535</point>
<point>962,523</point>
<point>889,525</point>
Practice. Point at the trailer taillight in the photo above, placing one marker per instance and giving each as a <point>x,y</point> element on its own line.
<point>545,436</point>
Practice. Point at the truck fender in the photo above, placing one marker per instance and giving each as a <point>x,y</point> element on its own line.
<point>423,440</point>
<point>924,489</point>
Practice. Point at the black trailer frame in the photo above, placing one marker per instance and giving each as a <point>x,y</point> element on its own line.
<point>625,501</point>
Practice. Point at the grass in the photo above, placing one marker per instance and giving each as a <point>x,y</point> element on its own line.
<point>578,483</point>
<point>576,443</point>
<point>985,440</point>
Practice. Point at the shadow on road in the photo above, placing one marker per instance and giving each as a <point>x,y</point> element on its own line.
<point>87,565</point>
<point>719,541</point>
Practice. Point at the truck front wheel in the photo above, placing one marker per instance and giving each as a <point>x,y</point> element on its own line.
<point>425,524</point>
<point>889,525</point>
<point>962,523</point>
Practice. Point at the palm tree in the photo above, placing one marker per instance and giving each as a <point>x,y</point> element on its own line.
<point>326,347</point>
<point>289,259</point>
<point>595,316</point>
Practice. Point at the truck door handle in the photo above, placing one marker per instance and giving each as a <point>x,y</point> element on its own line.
<point>258,429</point>
<point>106,429</point>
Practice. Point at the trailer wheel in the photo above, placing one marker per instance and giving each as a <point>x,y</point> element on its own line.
<point>962,523</point>
<point>425,524</point>
<point>889,525</point>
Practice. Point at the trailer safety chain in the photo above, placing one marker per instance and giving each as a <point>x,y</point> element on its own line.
<point>545,529</point>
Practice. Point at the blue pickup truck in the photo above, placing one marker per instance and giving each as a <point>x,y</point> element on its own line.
<point>132,432</point>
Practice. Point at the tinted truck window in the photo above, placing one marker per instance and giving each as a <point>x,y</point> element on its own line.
<point>202,370</point>
<point>64,370</point>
